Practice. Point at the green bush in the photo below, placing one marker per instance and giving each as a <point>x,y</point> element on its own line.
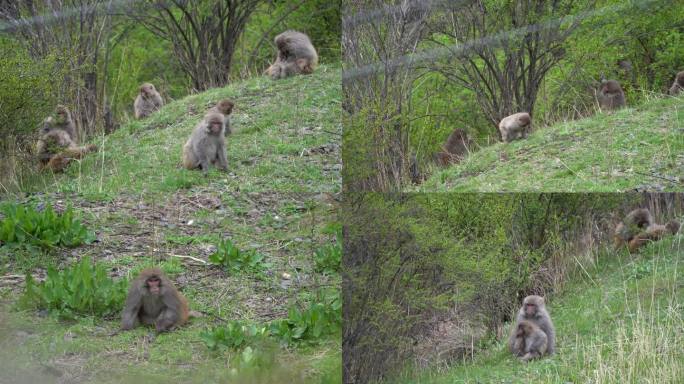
<point>82,289</point>
<point>235,260</point>
<point>44,227</point>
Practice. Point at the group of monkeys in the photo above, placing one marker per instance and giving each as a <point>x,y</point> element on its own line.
<point>638,229</point>
<point>533,334</point>
<point>56,146</point>
<point>610,96</point>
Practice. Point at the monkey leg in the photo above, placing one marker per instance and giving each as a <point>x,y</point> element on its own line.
<point>166,320</point>
<point>58,162</point>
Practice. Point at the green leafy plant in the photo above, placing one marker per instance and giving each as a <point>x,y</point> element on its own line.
<point>235,335</point>
<point>82,289</point>
<point>311,324</point>
<point>235,260</point>
<point>44,227</point>
<point>328,258</point>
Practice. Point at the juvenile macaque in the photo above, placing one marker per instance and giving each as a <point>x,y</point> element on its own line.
<point>678,85</point>
<point>152,299</point>
<point>455,148</point>
<point>55,148</point>
<point>147,101</point>
<point>635,222</point>
<point>516,126</point>
<point>534,311</point>
<point>296,55</point>
<point>206,144</point>
<point>224,107</point>
<point>610,95</point>
<point>654,232</point>
<point>528,341</point>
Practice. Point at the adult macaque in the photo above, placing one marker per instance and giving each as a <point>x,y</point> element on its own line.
<point>296,55</point>
<point>152,299</point>
<point>61,119</point>
<point>206,144</point>
<point>635,222</point>
<point>610,95</point>
<point>516,126</point>
<point>678,85</point>
<point>534,311</point>
<point>56,149</point>
<point>454,149</point>
<point>147,101</point>
<point>528,341</point>
<point>224,107</point>
<point>654,232</point>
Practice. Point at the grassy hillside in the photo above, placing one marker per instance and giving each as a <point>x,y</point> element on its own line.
<point>621,321</point>
<point>635,148</point>
<point>278,199</point>
<point>286,139</point>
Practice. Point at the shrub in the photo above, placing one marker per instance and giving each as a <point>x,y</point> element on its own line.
<point>82,289</point>
<point>45,227</point>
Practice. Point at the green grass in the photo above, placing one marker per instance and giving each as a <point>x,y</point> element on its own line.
<point>620,322</point>
<point>641,147</point>
<point>146,211</point>
<point>274,124</point>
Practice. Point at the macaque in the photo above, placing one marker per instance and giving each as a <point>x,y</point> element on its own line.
<point>147,101</point>
<point>296,55</point>
<point>516,126</point>
<point>635,221</point>
<point>455,148</point>
<point>224,107</point>
<point>678,85</point>
<point>56,149</point>
<point>654,232</point>
<point>534,311</point>
<point>610,95</point>
<point>152,299</point>
<point>206,144</point>
<point>528,341</point>
<point>61,119</point>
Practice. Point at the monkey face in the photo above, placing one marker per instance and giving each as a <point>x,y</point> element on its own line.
<point>153,285</point>
<point>530,309</point>
<point>147,89</point>
<point>226,107</point>
<point>215,126</point>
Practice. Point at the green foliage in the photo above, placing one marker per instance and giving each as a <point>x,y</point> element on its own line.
<point>235,335</point>
<point>27,92</point>
<point>309,325</point>
<point>81,289</point>
<point>328,258</point>
<point>45,228</point>
<point>234,260</point>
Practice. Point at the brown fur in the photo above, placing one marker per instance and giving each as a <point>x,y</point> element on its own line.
<point>206,145</point>
<point>516,126</point>
<point>455,148</point>
<point>166,309</point>
<point>528,341</point>
<point>678,85</point>
<point>654,232</point>
<point>147,101</point>
<point>635,221</point>
<point>224,107</point>
<point>55,148</point>
<point>296,55</point>
<point>610,95</point>
<point>534,311</point>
